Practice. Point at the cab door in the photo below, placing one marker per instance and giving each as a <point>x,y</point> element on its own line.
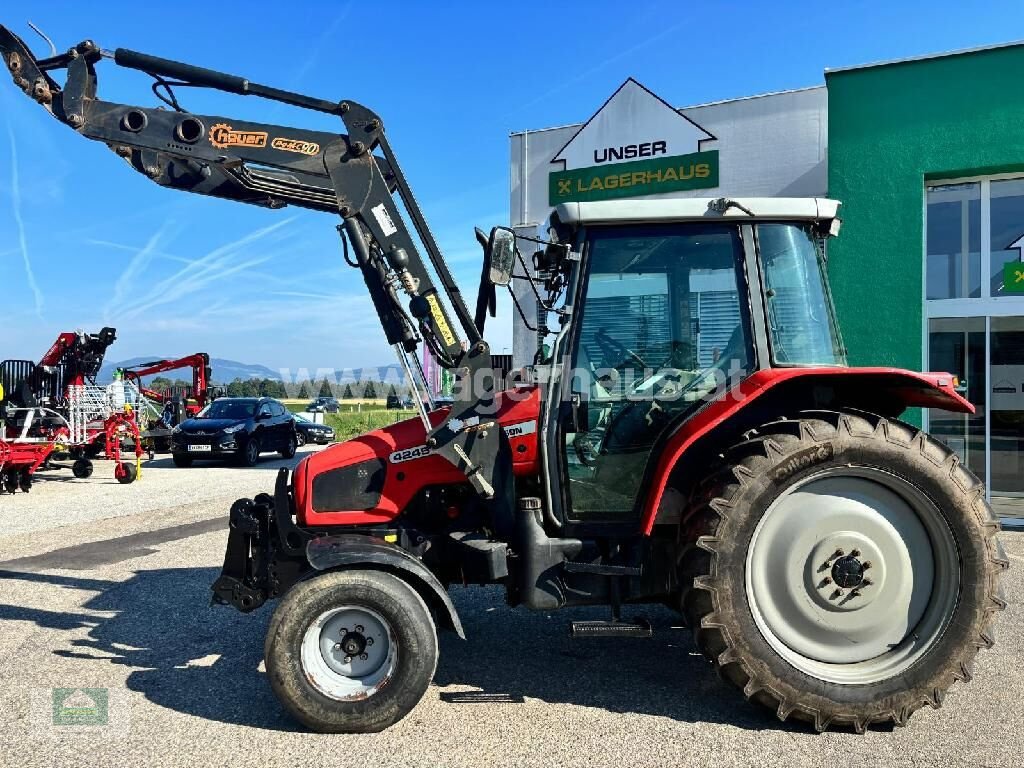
<point>661,326</point>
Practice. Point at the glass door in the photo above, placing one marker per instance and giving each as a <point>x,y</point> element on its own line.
<point>1006,377</point>
<point>956,345</point>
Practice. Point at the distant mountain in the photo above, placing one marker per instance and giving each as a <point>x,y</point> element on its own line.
<point>224,371</point>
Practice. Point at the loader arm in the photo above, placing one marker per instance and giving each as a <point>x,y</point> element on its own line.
<point>199,363</point>
<point>275,166</point>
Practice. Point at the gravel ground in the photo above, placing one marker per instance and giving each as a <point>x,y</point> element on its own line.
<point>103,586</point>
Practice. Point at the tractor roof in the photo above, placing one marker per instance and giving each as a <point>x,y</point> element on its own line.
<point>696,209</point>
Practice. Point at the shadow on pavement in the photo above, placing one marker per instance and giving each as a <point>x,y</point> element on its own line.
<point>267,461</point>
<point>205,660</point>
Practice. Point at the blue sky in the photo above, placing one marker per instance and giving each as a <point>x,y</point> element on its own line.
<point>85,241</point>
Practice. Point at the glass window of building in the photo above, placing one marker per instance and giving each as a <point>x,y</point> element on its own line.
<point>954,241</point>
<point>1007,235</point>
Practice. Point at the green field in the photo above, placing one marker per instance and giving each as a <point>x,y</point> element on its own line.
<point>355,417</point>
<point>348,424</point>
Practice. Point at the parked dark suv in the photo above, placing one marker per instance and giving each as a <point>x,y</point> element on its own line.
<point>235,427</point>
<point>324,405</point>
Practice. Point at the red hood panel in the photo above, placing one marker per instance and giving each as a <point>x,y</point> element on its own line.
<point>409,466</point>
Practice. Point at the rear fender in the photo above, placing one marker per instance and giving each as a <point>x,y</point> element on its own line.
<point>885,391</point>
<point>326,553</point>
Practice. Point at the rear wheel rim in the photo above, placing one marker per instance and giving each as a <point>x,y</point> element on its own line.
<point>852,575</point>
<point>349,653</point>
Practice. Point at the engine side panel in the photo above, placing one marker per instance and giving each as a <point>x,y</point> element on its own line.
<point>371,479</point>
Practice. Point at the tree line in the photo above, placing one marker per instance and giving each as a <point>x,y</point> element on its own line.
<point>370,390</point>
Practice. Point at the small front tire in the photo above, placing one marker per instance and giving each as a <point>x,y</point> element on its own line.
<point>351,651</point>
<point>82,469</point>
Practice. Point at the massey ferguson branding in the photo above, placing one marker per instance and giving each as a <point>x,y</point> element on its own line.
<point>511,431</point>
<point>223,135</point>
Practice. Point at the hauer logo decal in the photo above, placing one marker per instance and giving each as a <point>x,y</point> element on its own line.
<point>511,431</point>
<point>223,135</point>
<point>295,145</point>
<point>802,460</point>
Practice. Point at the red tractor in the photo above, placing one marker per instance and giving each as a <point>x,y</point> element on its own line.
<point>690,436</point>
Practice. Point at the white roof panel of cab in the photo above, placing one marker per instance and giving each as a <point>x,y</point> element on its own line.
<point>696,209</point>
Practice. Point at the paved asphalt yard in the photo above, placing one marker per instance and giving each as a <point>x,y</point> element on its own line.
<point>104,586</point>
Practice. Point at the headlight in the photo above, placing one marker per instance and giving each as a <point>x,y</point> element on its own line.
<point>232,429</point>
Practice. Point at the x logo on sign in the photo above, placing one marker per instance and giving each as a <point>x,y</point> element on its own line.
<point>564,186</point>
<point>1018,275</point>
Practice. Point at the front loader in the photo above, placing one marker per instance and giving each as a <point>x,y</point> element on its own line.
<point>690,435</point>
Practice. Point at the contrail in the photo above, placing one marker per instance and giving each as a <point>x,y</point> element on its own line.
<point>134,272</point>
<point>16,210</point>
<point>212,267</point>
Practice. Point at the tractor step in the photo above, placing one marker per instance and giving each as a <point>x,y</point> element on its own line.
<point>639,628</point>
<point>601,569</point>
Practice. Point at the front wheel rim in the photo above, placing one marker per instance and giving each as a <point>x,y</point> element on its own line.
<point>349,653</point>
<point>852,575</point>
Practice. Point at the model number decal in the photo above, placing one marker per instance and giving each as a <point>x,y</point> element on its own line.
<point>295,145</point>
<point>409,454</point>
<point>511,431</point>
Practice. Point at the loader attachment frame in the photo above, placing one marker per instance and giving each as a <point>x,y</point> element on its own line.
<point>354,174</point>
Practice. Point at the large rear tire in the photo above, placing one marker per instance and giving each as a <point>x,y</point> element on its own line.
<point>351,651</point>
<point>842,569</point>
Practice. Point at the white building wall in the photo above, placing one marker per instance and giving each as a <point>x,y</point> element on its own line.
<point>771,145</point>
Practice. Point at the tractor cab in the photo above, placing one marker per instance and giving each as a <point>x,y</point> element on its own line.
<point>669,305</point>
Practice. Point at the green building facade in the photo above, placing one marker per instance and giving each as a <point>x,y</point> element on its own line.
<point>927,157</point>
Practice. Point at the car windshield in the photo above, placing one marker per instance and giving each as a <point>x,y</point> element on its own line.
<point>229,409</point>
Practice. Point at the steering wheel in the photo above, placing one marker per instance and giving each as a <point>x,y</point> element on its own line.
<point>614,349</point>
<point>586,451</point>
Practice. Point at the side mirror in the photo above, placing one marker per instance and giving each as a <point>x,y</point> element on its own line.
<point>501,255</point>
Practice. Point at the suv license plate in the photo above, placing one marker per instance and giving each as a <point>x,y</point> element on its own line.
<point>200,448</point>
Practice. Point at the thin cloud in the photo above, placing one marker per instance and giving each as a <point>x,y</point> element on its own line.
<point>19,222</point>
<point>202,272</point>
<point>135,272</point>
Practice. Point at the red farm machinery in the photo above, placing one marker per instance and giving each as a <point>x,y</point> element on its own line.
<point>55,406</point>
<point>176,404</point>
<point>835,563</point>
